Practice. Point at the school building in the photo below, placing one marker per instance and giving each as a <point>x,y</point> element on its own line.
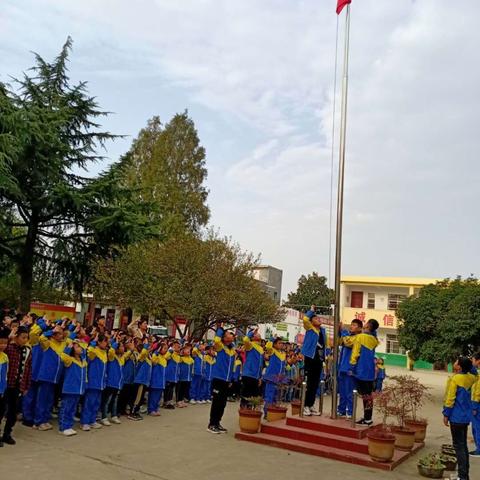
<point>378,297</point>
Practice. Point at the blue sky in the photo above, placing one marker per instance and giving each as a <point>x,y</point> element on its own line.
<point>257,78</point>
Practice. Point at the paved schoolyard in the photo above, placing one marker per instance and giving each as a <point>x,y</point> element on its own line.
<point>176,446</point>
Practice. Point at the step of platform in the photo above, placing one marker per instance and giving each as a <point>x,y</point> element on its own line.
<point>325,451</point>
<point>282,429</point>
<point>339,427</point>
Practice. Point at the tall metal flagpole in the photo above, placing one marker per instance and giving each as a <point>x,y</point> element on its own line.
<point>338,251</point>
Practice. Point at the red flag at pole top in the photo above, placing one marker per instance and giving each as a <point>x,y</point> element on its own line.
<point>341,4</point>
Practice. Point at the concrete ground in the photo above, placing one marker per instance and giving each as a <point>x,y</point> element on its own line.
<point>176,446</point>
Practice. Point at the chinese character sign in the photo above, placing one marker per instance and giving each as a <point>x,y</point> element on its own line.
<point>388,320</point>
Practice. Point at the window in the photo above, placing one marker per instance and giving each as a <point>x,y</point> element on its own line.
<point>392,344</point>
<point>357,300</point>
<point>371,301</point>
<point>394,300</point>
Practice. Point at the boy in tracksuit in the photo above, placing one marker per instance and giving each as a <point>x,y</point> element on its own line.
<point>222,374</point>
<point>184,377</point>
<point>171,374</point>
<point>74,384</point>
<point>208,364</point>
<point>253,366</point>
<point>198,354</point>
<point>3,373</point>
<point>380,374</point>
<point>157,382</point>
<point>346,381</point>
<point>476,406</point>
<point>362,367</point>
<point>53,343</point>
<point>314,345</point>
<point>127,394</point>
<point>457,411</point>
<point>274,372</point>
<point>97,375</point>
<point>143,376</point>
<point>237,374</point>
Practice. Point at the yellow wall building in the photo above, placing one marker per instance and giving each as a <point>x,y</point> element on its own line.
<point>378,297</point>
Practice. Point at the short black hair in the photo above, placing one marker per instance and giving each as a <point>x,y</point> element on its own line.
<point>476,356</point>
<point>4,332</point>
<point>357,322</point>
<point>101,337</point>
<point>21,330</point>
<point>277,339</point>
<point>374,325</point>
<point>465,364</point>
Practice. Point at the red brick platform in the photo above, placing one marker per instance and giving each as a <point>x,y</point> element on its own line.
<point>323,437</point>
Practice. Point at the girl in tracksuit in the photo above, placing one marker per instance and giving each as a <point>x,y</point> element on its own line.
<point>97,374</point>
<point>253,366</point>
<point>237,375</point>
<point>198,354</point>
<point>206,393</point>
<point>50,373</point>
<point>157,382</point>
<point>184,377</point>
<point>380,374</point>
<point>114,383</point>
<point>222,374</point>
<point>274,372</point>
<point>457,411</point>
<point>127,393</point>
<point>142,381</point>
<point>476,406</point>
<point>74,384</point>
<point>171,374</point>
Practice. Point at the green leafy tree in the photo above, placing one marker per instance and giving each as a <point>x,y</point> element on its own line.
<point>50,212</point>
<point>202,280</point>
<point>442,322</point>
<point>166,166</point>
<point>312,289</point>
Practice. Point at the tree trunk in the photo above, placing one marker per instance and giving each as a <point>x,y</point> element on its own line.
<point>25,268</point>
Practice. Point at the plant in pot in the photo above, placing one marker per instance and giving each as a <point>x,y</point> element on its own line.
<point>417,396</point>
<point>250,416</point>
<point>278,410</point>
<point>399,387</point>
<point>450,461</point>
<point>431,466</point>
<point>381,441</point>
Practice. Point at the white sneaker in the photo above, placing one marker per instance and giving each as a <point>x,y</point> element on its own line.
<point>209,401</point>
<point>193,402</point>
<point>96,425</point>
<point>105,422</point>
<point>44,427</point>
<point>86,428</point>
<point>307,412</point>
<point>69,432</point>
<point>314,412</point>
<point>203,402</point>
<point>115,420</point>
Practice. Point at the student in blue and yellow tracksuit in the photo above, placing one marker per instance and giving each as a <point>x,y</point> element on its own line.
<point>97,375</point>
<point>3,373</point>
<point>114,382</point>
<point>157,382</point>
<point>50,373</point>
<point>237,375</point>
<point>380,374</point>
<point>208,364</point>
<point>346,382</point>
<point>198,354</point>
<point>74,384</point>
<point>127,394</point>
<point>362,367</point>
<point>275,371</point>
<point>476,406</point>
<point>222,374</point>
<point>253,366</point>
<point>314,344</point>
<point>184,377</point>
<point>457,411</point>
<point>30,398</point>
<point>143,376</point>
<point>171,374</point>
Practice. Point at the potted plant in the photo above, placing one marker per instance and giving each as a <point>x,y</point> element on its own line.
<point>448,449</point>
<point>431,466</point>
<point>250,416</point>
<point>450,461</point>
<point>399,388</point>
<point>417,396</point>
<point>381,441</point>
